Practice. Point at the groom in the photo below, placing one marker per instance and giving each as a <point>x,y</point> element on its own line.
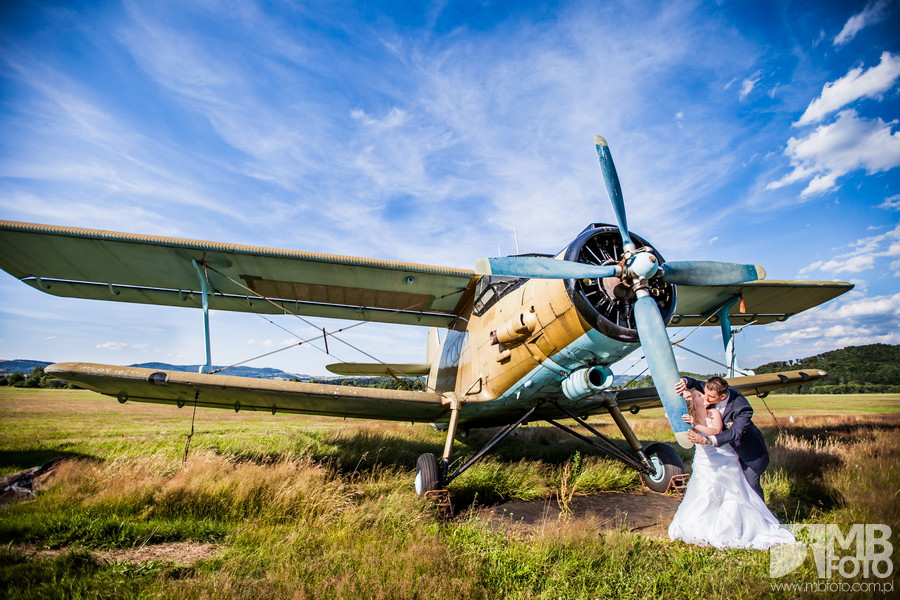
<point>739,430</point>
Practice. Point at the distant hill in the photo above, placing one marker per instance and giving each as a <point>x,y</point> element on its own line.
<point>853,370</point>
<point>26,366</point>
<point>7,367</point>
<point>257,372</point>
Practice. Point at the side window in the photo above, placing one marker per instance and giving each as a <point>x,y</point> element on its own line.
<point>490,289</point>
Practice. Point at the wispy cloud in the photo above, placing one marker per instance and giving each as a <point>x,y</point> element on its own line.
<point>874,12</point>
<point>749,83</point>
<point>862,255</point>
<point>116,346</point>
<point>856,84</point>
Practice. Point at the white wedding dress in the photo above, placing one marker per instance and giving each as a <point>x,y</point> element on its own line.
<point>721,509</point>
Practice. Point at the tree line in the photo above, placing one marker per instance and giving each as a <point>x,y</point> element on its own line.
<point>874,368</point>
<point>37,379</point>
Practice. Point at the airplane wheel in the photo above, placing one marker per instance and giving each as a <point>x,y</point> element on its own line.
<point>427,474</point>
<point>667,464</point>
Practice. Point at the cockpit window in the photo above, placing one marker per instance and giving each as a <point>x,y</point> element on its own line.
<point>489,290</point>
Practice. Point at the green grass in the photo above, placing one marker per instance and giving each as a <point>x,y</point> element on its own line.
<point>324,508</point>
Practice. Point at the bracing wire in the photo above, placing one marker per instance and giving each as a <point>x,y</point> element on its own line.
<point>324,334</point>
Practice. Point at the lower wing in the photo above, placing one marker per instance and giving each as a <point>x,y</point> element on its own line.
<point>245,393</point>
<point>756,385</point>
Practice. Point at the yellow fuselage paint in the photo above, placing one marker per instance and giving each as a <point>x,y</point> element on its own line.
<point>487,367</point>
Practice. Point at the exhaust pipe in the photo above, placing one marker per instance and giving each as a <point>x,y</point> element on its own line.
<point>586,382</point>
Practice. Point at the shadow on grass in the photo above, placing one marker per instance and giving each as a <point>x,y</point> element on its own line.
<point>12,461</point>
<point>547,444</point>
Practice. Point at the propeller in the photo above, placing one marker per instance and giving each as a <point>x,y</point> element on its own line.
<point>611,177</point>
<point>542,267</point>
<point>637,267</point>
<point>650,326</point>
<point>708,272</point>
<point>661,360</point>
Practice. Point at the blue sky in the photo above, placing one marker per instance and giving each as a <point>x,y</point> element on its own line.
<point>762,132</point>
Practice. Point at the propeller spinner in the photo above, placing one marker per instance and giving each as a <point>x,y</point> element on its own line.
<point>636,269</point>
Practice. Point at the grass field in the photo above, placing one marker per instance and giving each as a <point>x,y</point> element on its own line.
<point>303,507</point>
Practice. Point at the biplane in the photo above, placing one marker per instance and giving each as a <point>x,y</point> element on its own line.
<point>526,338</point>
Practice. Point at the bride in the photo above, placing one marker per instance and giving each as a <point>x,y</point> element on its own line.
<point>719,507</point>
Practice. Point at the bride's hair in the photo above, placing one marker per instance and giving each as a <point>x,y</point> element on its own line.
<point>691,404</point>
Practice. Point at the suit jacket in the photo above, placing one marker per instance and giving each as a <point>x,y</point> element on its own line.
<point>739,431</point>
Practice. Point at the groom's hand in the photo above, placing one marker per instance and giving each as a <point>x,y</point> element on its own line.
<point>681,386</point>
<point>696,437</point>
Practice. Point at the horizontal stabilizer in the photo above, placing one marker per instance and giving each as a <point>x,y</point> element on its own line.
<point>397,369</point>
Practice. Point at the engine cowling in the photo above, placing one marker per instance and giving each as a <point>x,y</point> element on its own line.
<point>607,303</point>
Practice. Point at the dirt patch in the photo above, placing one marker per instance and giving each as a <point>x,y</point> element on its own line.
<point>645,512</point>
<point>181,553</point>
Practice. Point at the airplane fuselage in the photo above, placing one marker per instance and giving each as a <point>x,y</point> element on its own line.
<point>519,341</point>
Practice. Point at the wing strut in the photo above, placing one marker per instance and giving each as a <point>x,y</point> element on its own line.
<point>204,291</point>
<point>721,312</point>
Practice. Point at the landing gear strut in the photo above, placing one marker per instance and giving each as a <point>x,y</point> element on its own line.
<point>658,463</point>
<point>443,480</point>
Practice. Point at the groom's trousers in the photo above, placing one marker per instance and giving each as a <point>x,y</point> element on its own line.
<point>752,478</point>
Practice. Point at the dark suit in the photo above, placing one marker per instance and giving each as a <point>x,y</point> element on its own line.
<point>742,434</point>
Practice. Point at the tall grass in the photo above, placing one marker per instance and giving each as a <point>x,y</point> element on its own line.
<point>329,512</point>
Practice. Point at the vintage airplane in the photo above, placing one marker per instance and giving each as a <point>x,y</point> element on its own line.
<point>528,337</point>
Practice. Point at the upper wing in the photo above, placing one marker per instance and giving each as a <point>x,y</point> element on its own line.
<point>245,393</point>
<point>756,385</point>
<point>125,267</point>
<point>765,301</point>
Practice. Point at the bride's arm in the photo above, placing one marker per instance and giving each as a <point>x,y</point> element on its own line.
<point>713,423</point>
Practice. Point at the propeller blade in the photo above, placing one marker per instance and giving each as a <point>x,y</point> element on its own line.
<point>661,359</point>
<point>613,188</point>
<point>706,272</point>
<point>540,267</point>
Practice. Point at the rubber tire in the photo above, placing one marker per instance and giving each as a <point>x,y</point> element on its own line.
<point>428,474</point>
<point>667,463</point>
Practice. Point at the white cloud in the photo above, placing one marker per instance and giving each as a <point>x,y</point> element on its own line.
<point>854,85</point>
<point>891,202</point>
<point>831,151</point>
<point>873,13</point>
<point>862,255</point>
<point>858,320</point>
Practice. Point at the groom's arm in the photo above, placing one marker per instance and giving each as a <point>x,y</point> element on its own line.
<point>740,422</point>
<point>693,384</point>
